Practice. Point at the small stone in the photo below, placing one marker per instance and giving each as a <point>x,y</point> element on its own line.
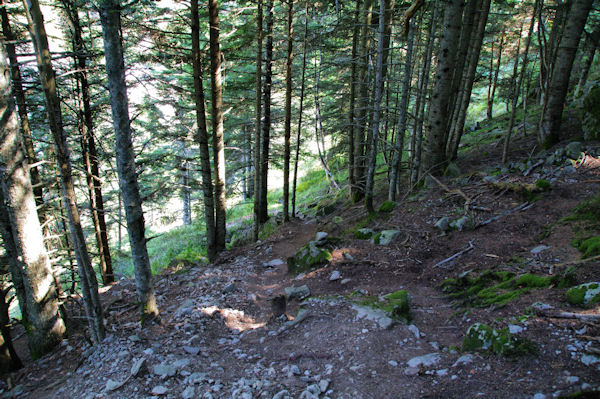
<point>134,338</point>
<point>159,390</point>
<point>321,237</point>
<point>148,351</point>
<point>283,394</point>
<point>181,363</point>
<point>572,379</point>
<point>442,224</point>
<point>274,263</point>
<point>539,396</point>
<point>573,150</point>
<point>335,276</point>
<point>297,292</point>
<point>415,330</point>
<point>188,393</point>
<point>411,371</point>
<point>386,237</point>
<point>541,306</point>
<point>323,385</point>
<point>393,363</point>
<point>137,366</point>
<point>514,329</point>
<point>347,256</point>
<point>345,281</point>
<point>588,360</point>
<point>464,359</point>
<point>229,288</point>
<point>429,360</point>
<point>112,385</point>
<point>192,350</point>
<point>165,370</point>
<point>539,249</point>
<point>442,372</point>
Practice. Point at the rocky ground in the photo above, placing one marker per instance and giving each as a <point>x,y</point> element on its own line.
<point>218,337</point>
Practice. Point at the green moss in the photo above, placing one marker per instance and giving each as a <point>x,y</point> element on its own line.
<point>543,184</point>
<point>308,257</point>
<point>589,247</point>
<point>363,234</point>
<point>395,304</point>
<point>376,238</point>
<point>584,294</point>
<point>483,338</point>
<point>387,206</point>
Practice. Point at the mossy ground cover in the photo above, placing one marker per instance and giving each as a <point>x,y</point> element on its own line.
<point>483,338</point>
<point>395,304</point>
<point>586,215</point>
<point>498,287</point>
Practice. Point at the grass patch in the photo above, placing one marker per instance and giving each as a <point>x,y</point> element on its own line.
<point>395,304</point>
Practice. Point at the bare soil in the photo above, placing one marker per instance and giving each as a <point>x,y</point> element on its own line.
<point>217,318</point>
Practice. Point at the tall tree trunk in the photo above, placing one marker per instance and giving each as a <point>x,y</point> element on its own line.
<point>89,284</point>
<point>363,103</point>
<point>494,79</point>
<point>517,88</point>
<point>379,79</point>
<point>88,145</point>
<point>288,112</point>
<point>469,77</point>
<point>300,111</point>
<point>354,85</point>
<point>266,128</point>
<point>594,43</point>
<point>110,16</point>
<point>9,359</point>
<point>186,198</point>
<point>202,136</point>
<point>19,93</point>
<point>217,125</point>
<point>435,132</point>
<point>21,230</point>
<point>258,117</point>
<point>403,117</point>
<point>549,132</point>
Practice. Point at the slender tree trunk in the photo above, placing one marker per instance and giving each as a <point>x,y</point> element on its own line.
<point>9,359</point>
<point>202,136</point>
<point>89,284</point>
<point>363,103</point>
<point>186,198</point>
<point>258,117</point>
<point>288,112</point>
<point>435,132</point>
<point>264,167</point>
<point>469,78</point>
<point>110,16</point>
<point>494,80</point>
<point>352,122</point>
<point>299,133</point>
<point>549,132</point>
<point>89,151</point>
<point>517,89</point>
<point>379,79</point>
<point>19,93</point>
<point>585,68</point>
<point>402,118</point>
<point>21,230</point>
<point>217,125</point>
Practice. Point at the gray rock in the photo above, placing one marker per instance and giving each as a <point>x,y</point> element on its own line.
<point>192,350</point>
<point>386,237</point>
<point>347,256</point>
<point>181,363</point>
<point>443,224</point>
<point>490,179</point>
<point>321,237</point>
<point>112,385</point>
<point>185,309</point>
<point>539,249</point>
<point>197,378</point>
<point>345,281</point>
<point>460,223</point>
<point>442,372</point>
<point>297,292</point>
<point>541,306</point>
<point>464,359</point>
<point>229,288</point>
<point>376,315</point>
<point>570,170</point>
<point>323,385</point>
<point>283,394</point>
<point>165,370</point>
<point>514,329</point>
<point>539,396</point>
<point>189,393</point>
<point>573,150</point>
<point>137,366</point>
<point>415,330</point>
<point>335,276</point>
<point>393,363</point>
<point>425,361</point>
<point>411,371</point>
<point>159,390</point>
<point>589,360</point>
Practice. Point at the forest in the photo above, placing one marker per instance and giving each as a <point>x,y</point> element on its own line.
<point>154,153</point>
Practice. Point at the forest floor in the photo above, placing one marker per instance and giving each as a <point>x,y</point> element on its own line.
<point>218,339</point>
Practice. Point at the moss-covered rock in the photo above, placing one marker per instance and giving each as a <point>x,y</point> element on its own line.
<point>483,338</point>
<point>387,206</point>
<point>396,305</point>
<point>573,150</point>
<point>584,294</point>
<point>364,234</point>
<point>591,114</point>
<point>478,337</point>
<point>308,257</point>
<point>385,237</point>
<point>589,246</point>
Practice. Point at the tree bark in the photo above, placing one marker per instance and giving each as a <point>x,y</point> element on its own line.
<point>300,111</point>
<point>494,79</point>
<point>21,230</point>
<point>110,16</point>
<point>354,85</point>
<point>202,135</point>
<point>549,132</point>
<point>89,284</point>
<point>88,145</point>
<point>288,112</point>
<point>258,117</point>
<point>437,124</point>
<point>217,126</point>
<point>379,79</point>
<point>266,128</point>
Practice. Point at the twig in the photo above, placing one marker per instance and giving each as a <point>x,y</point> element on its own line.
<point>457,191</point>
<point>486,222</point>
<point>571,315</point>
<point>577,261</point>
<point>456,255</point>
<point>532,167</point>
